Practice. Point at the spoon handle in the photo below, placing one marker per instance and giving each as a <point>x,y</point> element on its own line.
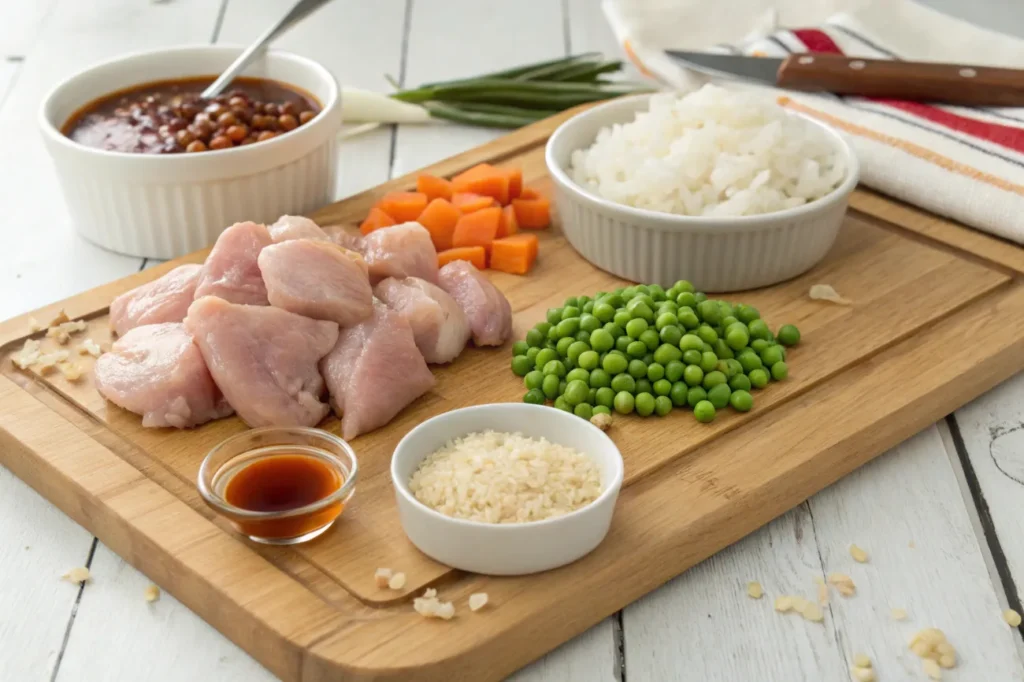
<point>300,11</point>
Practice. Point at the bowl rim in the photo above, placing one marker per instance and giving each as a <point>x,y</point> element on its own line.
<point>650,219</point>
<point>53,132</point>
<point>611,490</point>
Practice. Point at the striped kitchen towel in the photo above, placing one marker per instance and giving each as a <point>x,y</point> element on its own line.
<point>966,164</point>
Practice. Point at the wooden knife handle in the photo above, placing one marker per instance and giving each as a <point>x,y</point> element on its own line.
<point>918,81</point>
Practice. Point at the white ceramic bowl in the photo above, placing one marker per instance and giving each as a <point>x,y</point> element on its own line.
<point>507,549</point>
<point>168,205</point>
<point>716,254</point>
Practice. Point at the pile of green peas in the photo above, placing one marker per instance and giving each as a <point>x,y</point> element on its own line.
<point>646,350</point>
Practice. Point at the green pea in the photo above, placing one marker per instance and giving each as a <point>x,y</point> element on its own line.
<point>706,334</point>
<point>561,387</point>
<point>534,396</point>
<point>662,387</point>
<point>563,345</point>
<point>532,353</point>
<point>734,367</point>
<point>554,315</point>
<point>587,360</point>
<point>747,313</point>
<point>780,370</point>
<point>627,293</point>
<point>722,349</point>
<point>623,382</point>
<point>750,361</point>
<point>582,301</point>
<point>622,343</point>
<point>584,410</point>
<point>709,312</point>
<point>692,357</point>
<point>648,358</point>
<point>549,385</point>
<point>622,318</point>
<point>638,308</point>
<point>674,370</point>
<point>727,320</point>
<point>678,393</point>
<point>690,342</point>
<point>758,378</point>
<point>737,336</point>
<point>712,379</point>
<point>614,330</point>
<point>576,349</point>
<point>789,335</point>
<point>643,386</point>
<point>771,355</point>
<point>604,312</point>
<point>687,299</point>
<point>602,409</point>
<point>605,396</point>
<point>704,411</point>
<point>520,348</point>
<point>624,402</point>
<point>614,300</point>
<point>578,375</point>
<point>684,285</point>
<point>668,306</point>
<point>601,340</point>
<point>552,334</point>
<point>759,329</point>
<point>693,375</point>
<point>708,361</point>
<point>568,327</point>
<point>655,371</point>
<point>707,348</point>
<point>664,320</point>
<point>759,344</point>
<point>719,396</point>
<point>644,404</point>
<point>570,311</point>
<point>688,318</point>
<point>636,349</point>
<point>562,405</point>
<point>545,356</point>
<point>650,339</point>
<point>740,382</point>
<point>637,369</point>
<point>657,292</point>
<point>614,364</point>
<point>694,395</point>
<point>576,392</point>
<point>554,368</point>
<point>521,365</point>
<point>571,301</point>
<point>666,353</point>
<point>543,327</point>
<point>636,327</point>
<point>646,297</point>
<point>589,323</point>
<point>700,296</point>
<point>671,335</point>
<point>588,307</point>
<point>741,401</point>
<point>662,405</point>
<point>533,378</point>
<point>535,338</point>
<point>599,378</point>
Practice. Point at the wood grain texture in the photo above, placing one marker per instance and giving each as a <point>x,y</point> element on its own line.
<point>133,486</point>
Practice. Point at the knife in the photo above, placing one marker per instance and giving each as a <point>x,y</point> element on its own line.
<point>841,75</point>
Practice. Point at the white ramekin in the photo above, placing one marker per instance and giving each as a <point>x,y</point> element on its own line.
<point>168,205</point>
<point>715,254</point>
<point>507,549</point>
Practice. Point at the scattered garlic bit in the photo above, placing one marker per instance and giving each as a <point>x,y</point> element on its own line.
<point>397,581</point>
<point>931,644</point>
<point>822,590</point>
<point>1011,617</point>
<point>429,606</point>
<point>858,554</point>
<point>931,669</point>
<point>429,592</point>
<point>48,362</point>
<point>28,355</point>
<point>783,603</point>
<point>70,370</point>
<point>90,347</point>
<point>812,612</point>
<point>62,332</point>
<point>911,545</point>
<point>843,584</point>
<point>898,614</point>
<point>34,326</point>
<point>152,593</point>
<point>60,319</point>
<point>806,608</point>
<point>825,292</point>
<point>754,590</point>
<point>77,575</point>
<point>602,421</point>
<point>862,661</point>
<point>862,674</point>
<point>382,577</point>
<point>477,601</point>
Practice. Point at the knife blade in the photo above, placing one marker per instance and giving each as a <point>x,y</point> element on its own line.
<point>841,75</point>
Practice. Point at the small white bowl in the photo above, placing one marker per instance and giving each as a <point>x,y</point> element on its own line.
<point>168,205</point>
<point>714,253</point>
<point>507,549</point>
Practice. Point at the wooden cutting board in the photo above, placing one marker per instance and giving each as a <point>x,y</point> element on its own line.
<point>937,318</point>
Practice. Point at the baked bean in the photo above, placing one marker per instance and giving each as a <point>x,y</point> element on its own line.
<point>196,146</point>
<point>266,135</point>
<point>237,133</point>
<point>270,109</point>
<point>306,117</point>
<point>288,108</point>
<point>185,137</point>
<point>287,122</point>
<point>221,142</point>
<point>238,101</point>
<point>227,119</point>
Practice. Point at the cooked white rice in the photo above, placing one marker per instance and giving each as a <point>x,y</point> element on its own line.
<point>713,152</point>
<point>496,477</point>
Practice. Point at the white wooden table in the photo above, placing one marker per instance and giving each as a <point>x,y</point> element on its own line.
<point>940,515</point>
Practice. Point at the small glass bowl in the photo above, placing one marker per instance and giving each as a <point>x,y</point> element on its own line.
<point>285,527</point>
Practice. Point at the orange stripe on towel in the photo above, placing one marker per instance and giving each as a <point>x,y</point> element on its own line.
<point>908,147</point>
<point>636,60</point>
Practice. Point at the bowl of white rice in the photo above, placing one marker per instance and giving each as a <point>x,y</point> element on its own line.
<point>507,488</point>
<point>724,188</point>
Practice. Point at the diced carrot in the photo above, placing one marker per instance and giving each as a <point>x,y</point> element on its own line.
<point>477,228</point>
<point>515,254</point>
<point>529,193</point>
<point>468,202</point>
<point>476,255</point>
<point>508,225</point>
<point>532,214</point>
<point>483,179</point>
<point>440,217</point>
<point>434,187</point>
<point>515,183</point>
<point>375,220</point>
<point>403,206</point>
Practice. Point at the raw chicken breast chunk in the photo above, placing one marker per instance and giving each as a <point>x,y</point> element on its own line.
<point>438,324</point>
<point>374,371</point>
<point>296,227</point>
<point>165,299</point>
<point>404,250</point>
<point>231,271</point>
<point>489,312</point>
<point>317,279</point>
<point>158,372</point>
<point>264,359</point>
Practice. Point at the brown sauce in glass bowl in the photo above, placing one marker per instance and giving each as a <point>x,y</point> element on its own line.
<point>169,117</point>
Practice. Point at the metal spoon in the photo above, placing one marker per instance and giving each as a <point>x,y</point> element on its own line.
<point>300,11</point>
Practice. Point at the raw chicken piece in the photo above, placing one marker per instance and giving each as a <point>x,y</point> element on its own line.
<point>404,250</point>
<point>157,371</point>
<point>165,299</point>
<point>296,227</point>
<point>231,271</point>
<point>440,327</point>
<point>317,279</point>
<point>374,371</point>
<point>263,359</point>
<point>345,238</point>
<point>489,313</point>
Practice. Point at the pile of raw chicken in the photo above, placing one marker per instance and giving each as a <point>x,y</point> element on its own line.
<point>281,315</point>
